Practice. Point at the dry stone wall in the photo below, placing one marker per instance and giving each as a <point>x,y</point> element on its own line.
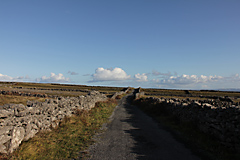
<point>214,117</point>
<point>138,93</point>
<point>19,93</point>
<point>55,89</point>
<point>23,93</point>
<point>120,93</point>
<point>20,123</point>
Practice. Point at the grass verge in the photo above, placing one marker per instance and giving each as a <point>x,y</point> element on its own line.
<point>73,135</point>
<point>120,96</point>
<point>203,145</point>
<point>6,99</point>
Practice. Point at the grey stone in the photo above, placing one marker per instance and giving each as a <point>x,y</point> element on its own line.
<point>21,122</point>
<point>4,138</point>
<point>5,129</point>
<point>3,149</point>
<point>30,131</point>
<point>17,137</point>
<point>5,113</point>
<point>19,107</point>
<point>213,117</point>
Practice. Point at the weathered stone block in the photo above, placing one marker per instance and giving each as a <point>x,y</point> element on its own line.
<point>30,131</point>
<point>4,139</point>
<point>3,149</point>
<point>17,137</point>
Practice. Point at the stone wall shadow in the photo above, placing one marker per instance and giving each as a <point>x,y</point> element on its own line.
<point>143,148</point>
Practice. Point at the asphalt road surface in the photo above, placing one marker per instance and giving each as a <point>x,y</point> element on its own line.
<point>131,135</point>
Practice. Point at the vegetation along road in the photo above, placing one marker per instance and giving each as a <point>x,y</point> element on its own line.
<point>131,134</point>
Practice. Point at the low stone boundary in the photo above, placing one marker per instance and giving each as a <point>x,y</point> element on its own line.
<point>19,93</point>
<point>55,89</point>
<point>221,98</point>
<point>20,123</point>
<point>120,93</point>
<point>138,93</point>
<point>28,94</point>
<point>214,117</point>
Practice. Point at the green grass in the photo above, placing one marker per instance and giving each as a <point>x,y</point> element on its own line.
<point>120,96</point>
<point>207,147</point>
<point>72,136</point>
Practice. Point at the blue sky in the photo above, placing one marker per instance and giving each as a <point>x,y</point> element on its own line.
<point>187,44</point>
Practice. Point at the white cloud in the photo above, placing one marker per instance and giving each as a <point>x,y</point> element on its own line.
<point>9,78</point>
<point>116,74</point>
<point>53,78</point>
<point>141,77</point>
<point>187,81</point>
<point>5,77</point>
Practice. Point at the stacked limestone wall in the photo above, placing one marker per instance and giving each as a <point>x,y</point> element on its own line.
<point>56,89</point>
<point>24,93</point>
<point>19,93</point>
<point>138,93</point>
<point>120,93</point>
<point>214,117</point>
<point>19,123</point>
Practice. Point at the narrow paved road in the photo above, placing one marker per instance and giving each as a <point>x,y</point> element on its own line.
<point>134,135</point>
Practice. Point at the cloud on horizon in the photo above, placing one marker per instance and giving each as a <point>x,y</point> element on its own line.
<point>53,78</point>
<point>155,79</point>
<point>197,82</point>
<point>141,77</point>
<point>5,77</point>
<point>116,74</point>
<point>9,78</point>
<point>118,77</point>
